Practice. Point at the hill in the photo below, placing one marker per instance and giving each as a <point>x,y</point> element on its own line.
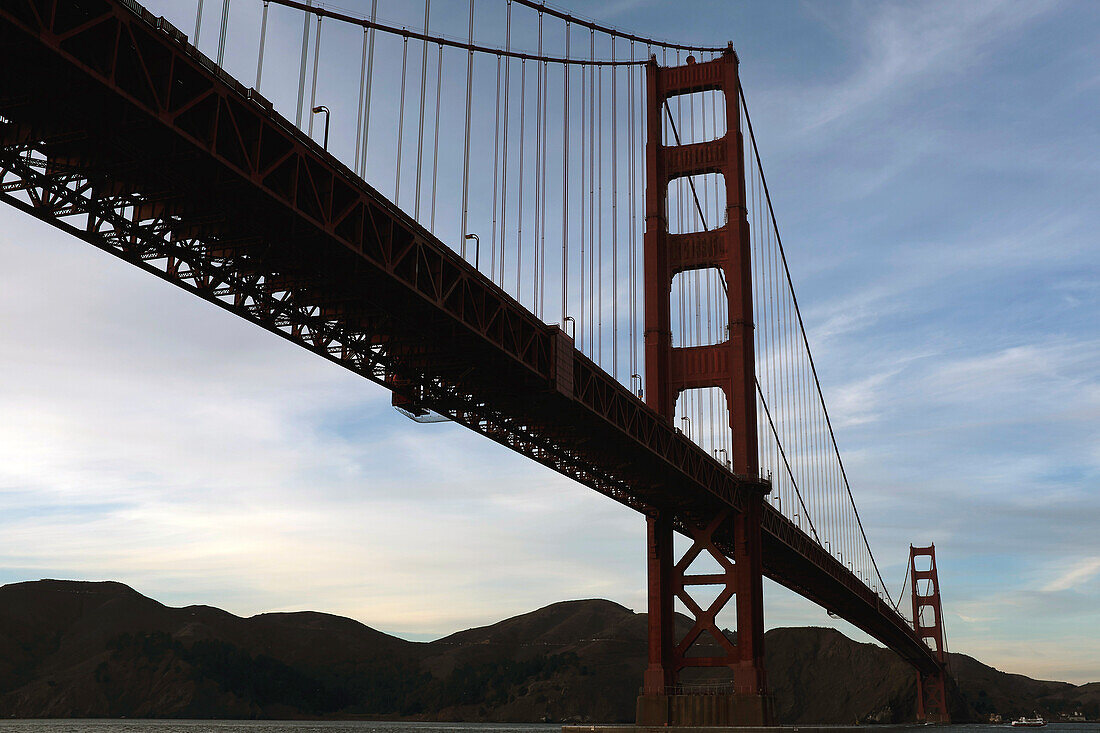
<point>77,649</point>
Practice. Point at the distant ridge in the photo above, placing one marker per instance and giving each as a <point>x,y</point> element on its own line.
<point>80,649</point>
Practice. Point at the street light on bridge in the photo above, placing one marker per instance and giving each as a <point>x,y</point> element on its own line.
<point>477,248</point>
<point>317,110</point>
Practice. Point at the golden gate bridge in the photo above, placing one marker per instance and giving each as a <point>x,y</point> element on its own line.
<point>551,231</point>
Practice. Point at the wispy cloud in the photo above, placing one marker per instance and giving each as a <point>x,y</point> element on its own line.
<point>1074,576</point>
<point>904,46</point>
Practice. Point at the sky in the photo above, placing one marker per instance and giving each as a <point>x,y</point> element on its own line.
<point>934,168</point>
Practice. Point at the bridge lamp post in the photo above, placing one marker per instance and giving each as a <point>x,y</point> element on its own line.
<point>317,110</point>
<point>477,248</point>
<point>639,390</point>
<point>725,456</point>
<point>686,419</point>
<point>570,319</point>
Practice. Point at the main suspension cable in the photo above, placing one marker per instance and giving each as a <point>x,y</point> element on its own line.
<point>542,8</point>
<point>419,36</point>
<point>802,328</point>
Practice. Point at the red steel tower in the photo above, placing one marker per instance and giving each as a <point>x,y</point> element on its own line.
<point>730,366</point>
<point>928,623</point>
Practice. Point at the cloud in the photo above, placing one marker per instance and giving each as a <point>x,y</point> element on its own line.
<point>1077,575</point>
<point>905,45</point>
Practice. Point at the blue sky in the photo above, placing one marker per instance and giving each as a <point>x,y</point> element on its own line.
<point>934,168</point>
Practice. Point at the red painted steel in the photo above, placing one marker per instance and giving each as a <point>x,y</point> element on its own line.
<point>117,131</point>
<point>931,685</point>
<point>729,365</point>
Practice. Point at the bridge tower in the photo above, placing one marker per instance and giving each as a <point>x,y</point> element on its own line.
<point>928,623</point>
<point>730,365</point>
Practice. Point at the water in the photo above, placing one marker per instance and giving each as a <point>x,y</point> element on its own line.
<point>344,726</point>
<point>263,726</point>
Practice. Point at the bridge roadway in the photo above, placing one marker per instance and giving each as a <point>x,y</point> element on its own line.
<point>114,129</point>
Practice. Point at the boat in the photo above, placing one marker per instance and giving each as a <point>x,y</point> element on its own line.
<point>1036,722</point>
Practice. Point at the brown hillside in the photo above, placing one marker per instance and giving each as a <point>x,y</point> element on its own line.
<point>75,649</point>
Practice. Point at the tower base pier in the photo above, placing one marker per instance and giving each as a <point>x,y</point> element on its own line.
<point>704,711</point>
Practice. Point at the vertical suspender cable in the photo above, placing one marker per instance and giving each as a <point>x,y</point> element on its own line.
<point>302,70</point>
<point>639,204</point>
<point>366,104</point>
<point>423,89</point>
<point>316,63</point>
<point>709,277</point>
<point>759,342</point>
<point>679,334</point>
<point>542,187</point>
<point>599,220</point>
<point>222,32</point>
<point>614,218</point>
<point>263,40</point>
<point>722,325</point>
<point>633,264</point>
<point>696,396</point>
<point>496,171</point>
<point>581,323</point>
<point>504,162</point>
<point>362,93</point>
<point>519,195</point>
<point>565,188</point>
<point>401,119</point>
<point>778,359</point>
<point>535,263</point>
<point>435,143</point>
<point>198,24</point>
<point>466,136</point>
<point>592,353</point>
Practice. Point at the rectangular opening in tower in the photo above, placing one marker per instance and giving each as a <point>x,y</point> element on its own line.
<point>696,117</point>
<point>698,309</point>
<point>927,615</point>
<point>696,203</point>
<point>703,416</point>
